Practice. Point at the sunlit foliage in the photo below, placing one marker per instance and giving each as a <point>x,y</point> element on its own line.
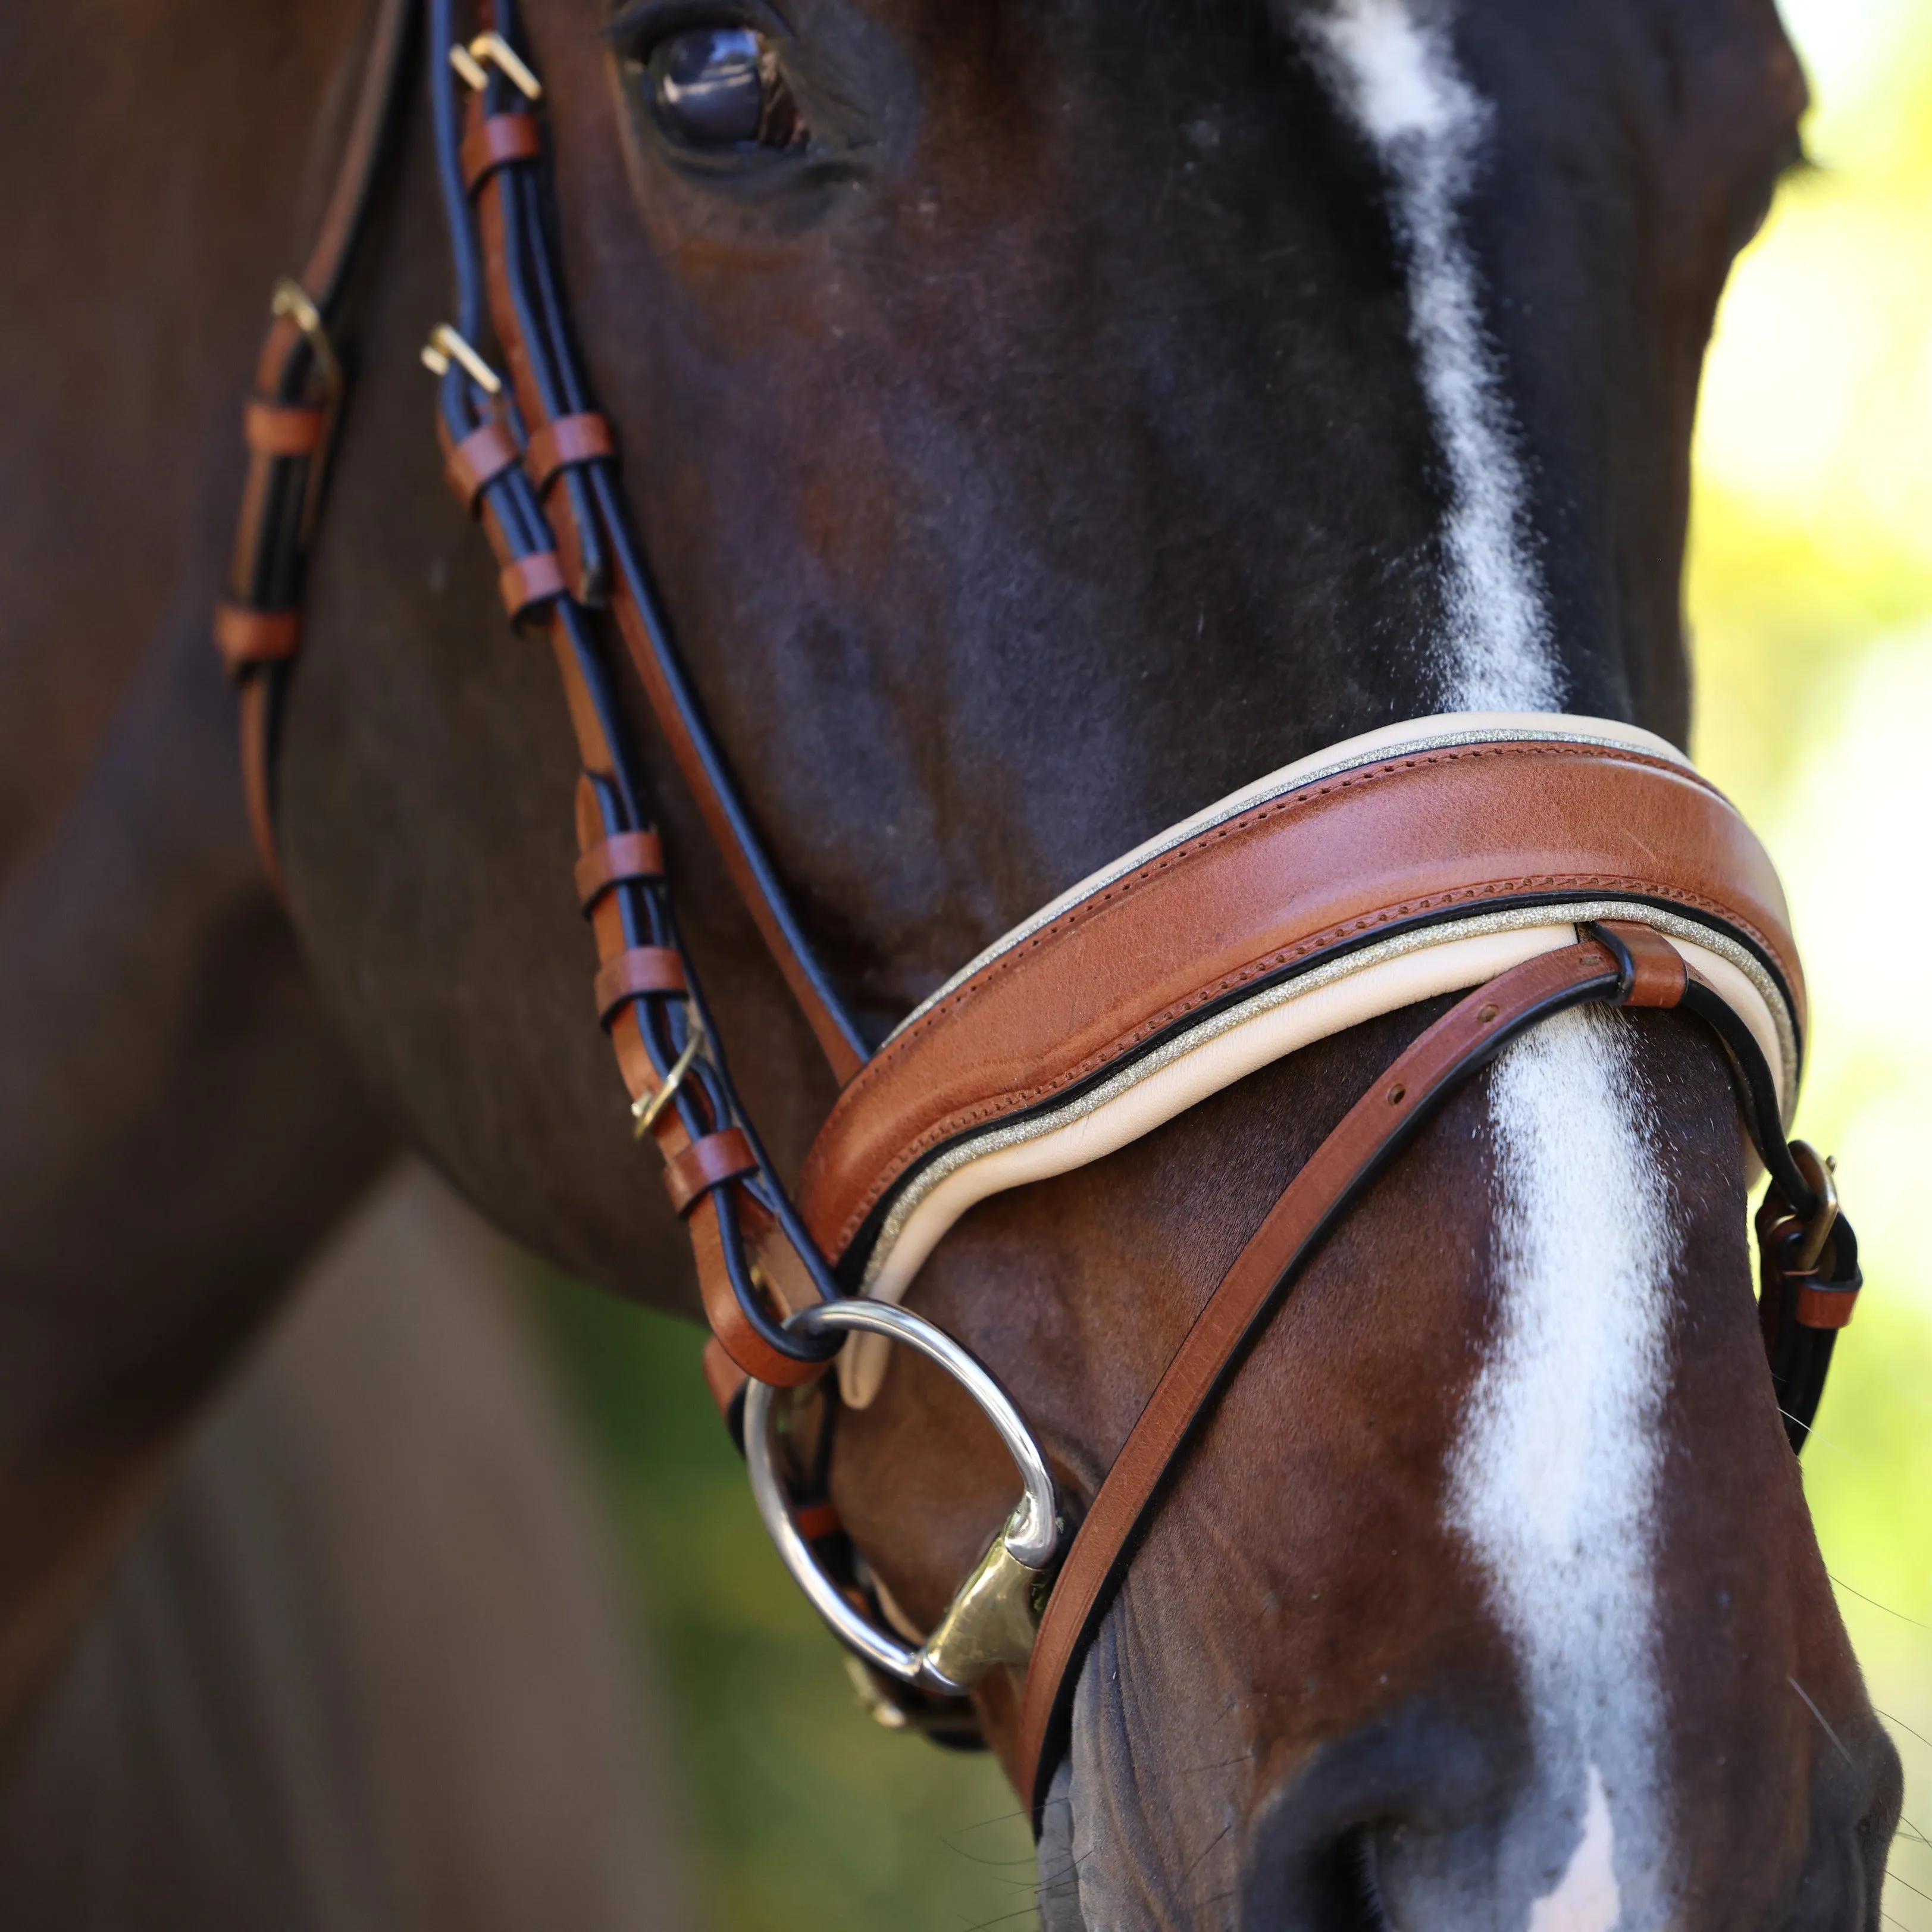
<point>1810,600</point>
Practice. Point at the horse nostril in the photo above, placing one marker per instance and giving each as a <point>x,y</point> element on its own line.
<point>1856,1791</point>
<point>1417,1783</point>
<point>1331,1887</point>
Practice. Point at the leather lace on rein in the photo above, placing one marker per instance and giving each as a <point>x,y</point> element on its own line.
<point>1547,862</point>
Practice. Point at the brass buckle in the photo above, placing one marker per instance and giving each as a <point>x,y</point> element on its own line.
<point>645,1108</point>
<point>291,299</point>
<point>491,49</point>
<point>446,346</point>
<point>1821,1177</point>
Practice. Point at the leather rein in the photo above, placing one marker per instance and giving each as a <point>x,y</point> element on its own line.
<point>1546,862</point>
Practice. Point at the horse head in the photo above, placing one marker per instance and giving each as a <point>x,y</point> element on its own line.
<point>1043,419</point>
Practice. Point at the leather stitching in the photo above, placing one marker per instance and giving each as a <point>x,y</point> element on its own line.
<point>1246,822</point>
<point>1014,1099</point>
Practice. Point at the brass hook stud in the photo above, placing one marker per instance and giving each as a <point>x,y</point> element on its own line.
<point>488,50</point>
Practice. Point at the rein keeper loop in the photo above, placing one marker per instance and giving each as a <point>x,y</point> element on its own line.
<point>705,1164</point>
<point>535,579</point>
<point>496,142</point>
<point>623,859</point>
<point>637,971</point>
<point>246,637</point>
<point>478,460</point>
<point>556,446</point>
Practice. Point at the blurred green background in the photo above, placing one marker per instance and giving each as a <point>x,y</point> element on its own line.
<point>1810,601</point>
<point>805,1815</point>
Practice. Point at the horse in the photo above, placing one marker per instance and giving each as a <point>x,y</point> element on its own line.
<point>253,1676</point>
<point>1041,419</point>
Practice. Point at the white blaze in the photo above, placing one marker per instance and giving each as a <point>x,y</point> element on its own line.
<point>1585,1898</point>
<point>1553,1485</point>
<point>1555,1481</point>
<point>1391,66</point>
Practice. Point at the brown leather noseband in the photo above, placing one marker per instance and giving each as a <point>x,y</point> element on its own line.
<point>1544,862</point>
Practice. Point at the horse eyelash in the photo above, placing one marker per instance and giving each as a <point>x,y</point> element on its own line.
<point>1368,1891</point>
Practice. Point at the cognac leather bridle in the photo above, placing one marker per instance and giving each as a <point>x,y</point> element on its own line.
<point>1543,861</point>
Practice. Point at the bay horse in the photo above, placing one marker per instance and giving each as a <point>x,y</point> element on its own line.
<point>1042,418</point>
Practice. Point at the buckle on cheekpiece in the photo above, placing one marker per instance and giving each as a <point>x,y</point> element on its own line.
<point>1811,1260</point>
<point>1808,1284</point>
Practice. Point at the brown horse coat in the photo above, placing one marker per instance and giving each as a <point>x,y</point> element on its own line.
<point>1049,452</point>
<point>321,1685</point>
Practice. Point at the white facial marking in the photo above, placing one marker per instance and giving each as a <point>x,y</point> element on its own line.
<point>1390,65</point>
<point>1554,1482</point>
<point>1586,1898</point>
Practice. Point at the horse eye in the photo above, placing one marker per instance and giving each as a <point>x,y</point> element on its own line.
<point>720,87</point>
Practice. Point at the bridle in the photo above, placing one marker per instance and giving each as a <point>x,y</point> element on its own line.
<point>1544,862</point>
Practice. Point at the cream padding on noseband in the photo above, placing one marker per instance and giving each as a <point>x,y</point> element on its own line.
<point>1279,1020</point>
